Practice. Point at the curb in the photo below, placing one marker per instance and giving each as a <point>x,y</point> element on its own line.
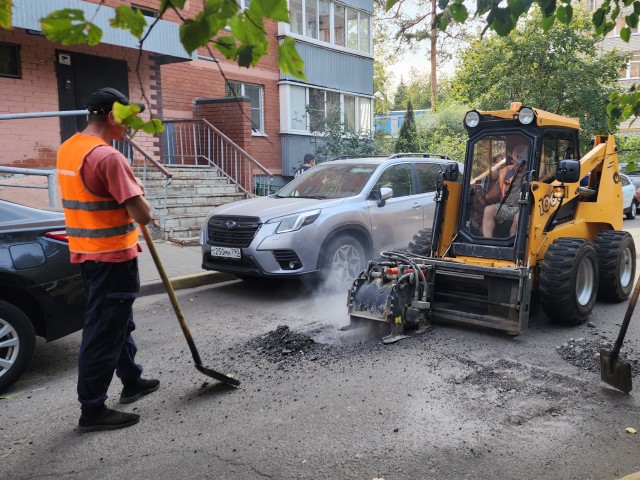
<point>181,282</point>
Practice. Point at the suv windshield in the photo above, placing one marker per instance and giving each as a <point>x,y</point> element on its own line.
<point>329,181</point>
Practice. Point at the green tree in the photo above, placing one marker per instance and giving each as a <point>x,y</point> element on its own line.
<point>442,131</point>
<point>334,140</point>
<point>419,89</point>
<point>408,135</point>
<point>400,97</point>
<point>558,70</point>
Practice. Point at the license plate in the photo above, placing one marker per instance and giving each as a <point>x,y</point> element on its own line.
<point>225,252</point>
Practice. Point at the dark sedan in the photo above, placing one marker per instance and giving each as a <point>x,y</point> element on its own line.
<point>41,293</point>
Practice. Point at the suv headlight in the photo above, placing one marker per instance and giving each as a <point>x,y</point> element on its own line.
<point>294,222</point>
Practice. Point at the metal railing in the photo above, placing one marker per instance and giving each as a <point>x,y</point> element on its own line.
<point>51,180</point>
<point>140,162</point>
<point>198,143</point>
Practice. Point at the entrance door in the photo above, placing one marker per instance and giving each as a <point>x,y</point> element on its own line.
<point>78,76</point>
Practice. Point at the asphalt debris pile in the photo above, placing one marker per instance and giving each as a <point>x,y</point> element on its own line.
<point>283,343</point>
<point>585,353</point>
<point>286,347</point>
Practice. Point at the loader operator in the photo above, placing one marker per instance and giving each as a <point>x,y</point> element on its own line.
<point>506,193</point>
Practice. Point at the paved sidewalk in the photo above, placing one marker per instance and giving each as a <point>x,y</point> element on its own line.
<point>182,264</point>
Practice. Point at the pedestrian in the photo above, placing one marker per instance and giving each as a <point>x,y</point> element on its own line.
<point>102,201</point>
<point>308,162</point>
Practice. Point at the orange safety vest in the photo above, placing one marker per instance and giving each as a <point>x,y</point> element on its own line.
<point>94,224</point>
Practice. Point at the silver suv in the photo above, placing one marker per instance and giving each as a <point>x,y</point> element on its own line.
<point>330,220</point>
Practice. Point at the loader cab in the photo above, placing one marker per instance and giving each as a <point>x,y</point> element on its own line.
<point>504,157</point>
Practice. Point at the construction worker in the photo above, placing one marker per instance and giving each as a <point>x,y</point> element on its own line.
<point>102,201</point>
<point>506,193</point>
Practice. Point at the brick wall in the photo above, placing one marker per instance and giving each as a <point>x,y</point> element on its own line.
<point>33,143</point>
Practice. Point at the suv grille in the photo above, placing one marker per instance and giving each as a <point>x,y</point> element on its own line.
<point>228,231</point>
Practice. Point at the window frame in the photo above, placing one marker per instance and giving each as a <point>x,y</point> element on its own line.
<point>16,54</point>
<point>255,130</point>
<point>360,17</point>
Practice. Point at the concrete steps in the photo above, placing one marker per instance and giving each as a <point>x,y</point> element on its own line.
<point>192,193</point>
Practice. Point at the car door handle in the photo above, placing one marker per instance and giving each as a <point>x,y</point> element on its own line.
<point>416,205</point>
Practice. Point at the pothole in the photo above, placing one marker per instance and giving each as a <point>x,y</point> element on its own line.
<point>585,353</point>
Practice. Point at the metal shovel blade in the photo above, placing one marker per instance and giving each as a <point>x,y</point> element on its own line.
<point>221,377</point>
<point>615,371</point>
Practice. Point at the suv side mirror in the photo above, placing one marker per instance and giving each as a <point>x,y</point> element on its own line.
<point>451,172</point>
<point>385,194</point>
<point>568,171</point>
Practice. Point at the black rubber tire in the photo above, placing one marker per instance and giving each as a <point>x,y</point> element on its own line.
<point>15,327</point>
<point>568,284</point>
<point>617,262</point>
<point>633,210</point>
<point>343,259</point>
<point>421,242</point>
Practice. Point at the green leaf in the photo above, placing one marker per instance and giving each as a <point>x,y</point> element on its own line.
<point>390,3</point>
<point>273,9</point>
<point>518,7</point>
<point>123,113</point>
<point>153,126</point>
<point>598,18</point>
<point>442,4</point>
<point>564,14</point>
<point>459,12</point>
<point>625,34</point>
<point>289,59</point>
<point>636,7</point>
<point>69,27</point>
<point>227,46</point>
<point>194,34</point>
<point>129,19</point>
<point>5,13</point>
<point>547,22</point>
<point>179,4</point>
<point>245,55</point>
<point>632,20</point>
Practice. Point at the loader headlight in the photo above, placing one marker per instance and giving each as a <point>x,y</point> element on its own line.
<point>294,222</point>
<point>526,115</point>
<point>472,119</point>
<point>559,191</point>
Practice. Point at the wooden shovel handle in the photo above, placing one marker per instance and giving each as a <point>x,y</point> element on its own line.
<point>172,295</point>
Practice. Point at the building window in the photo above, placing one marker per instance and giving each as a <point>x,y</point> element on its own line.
<point>331,23</point>
<point>254,92</point>
<point>632,70</point>
<point>10,60</point>
<point>147,12</point>
<point>338,25</point>
<point>322,107</point>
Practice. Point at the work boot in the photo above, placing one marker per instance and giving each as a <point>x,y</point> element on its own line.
<point>95,419</point>
<point>133,391</point>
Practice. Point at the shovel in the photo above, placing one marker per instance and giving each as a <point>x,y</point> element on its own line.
<point>614,370</point>
<point>183,324</point>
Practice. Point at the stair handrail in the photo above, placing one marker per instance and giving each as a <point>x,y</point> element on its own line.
<point>160,210</point>
<point>238,147</point>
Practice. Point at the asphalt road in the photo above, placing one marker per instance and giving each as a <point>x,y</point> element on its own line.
<point>453,403</point>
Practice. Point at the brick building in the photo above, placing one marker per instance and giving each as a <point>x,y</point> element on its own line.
<point>266,113</point>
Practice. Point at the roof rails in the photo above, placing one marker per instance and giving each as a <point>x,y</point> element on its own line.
<point>343,157</point>
<point>421,155</point>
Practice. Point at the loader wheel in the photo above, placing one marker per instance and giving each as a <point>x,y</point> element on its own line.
<point>421,242</point>
<point>568,283</point>
<point>343,260</point>
<point>617,262</point>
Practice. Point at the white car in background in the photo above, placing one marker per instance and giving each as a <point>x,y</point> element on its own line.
<point>629,202</point>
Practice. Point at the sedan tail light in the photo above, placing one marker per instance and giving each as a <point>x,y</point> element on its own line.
<point>60,235</point>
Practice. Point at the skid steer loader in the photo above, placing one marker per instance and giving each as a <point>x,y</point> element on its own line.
<point>528,219</point>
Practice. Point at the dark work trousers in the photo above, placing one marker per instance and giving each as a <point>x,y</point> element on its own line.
<point>107,345</point>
